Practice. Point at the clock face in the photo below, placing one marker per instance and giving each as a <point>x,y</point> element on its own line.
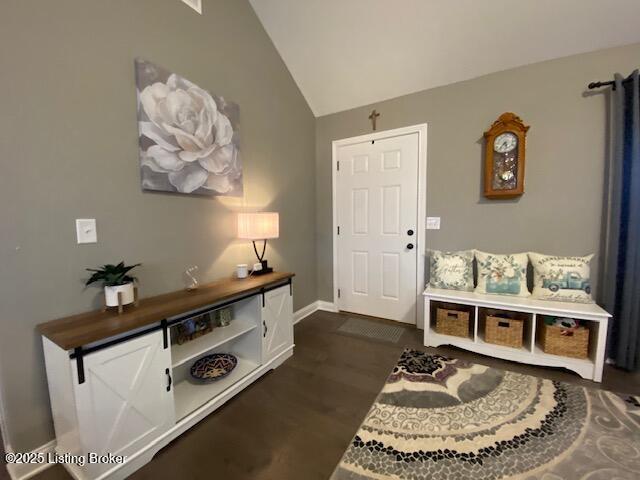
<point>505,162</point>
<point>505,142</point>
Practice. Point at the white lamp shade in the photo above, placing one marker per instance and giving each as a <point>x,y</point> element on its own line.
<point>258,226</point>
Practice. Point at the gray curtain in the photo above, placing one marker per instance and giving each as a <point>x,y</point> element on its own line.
<point>622,271</point>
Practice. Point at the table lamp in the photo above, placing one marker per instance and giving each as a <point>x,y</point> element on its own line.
<point>259,226</point>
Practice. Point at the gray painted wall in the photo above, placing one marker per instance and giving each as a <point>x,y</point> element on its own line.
<point>68,149</point>
<point>560,212</point>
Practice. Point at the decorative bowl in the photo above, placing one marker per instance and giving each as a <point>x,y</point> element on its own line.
<point>213,367</point>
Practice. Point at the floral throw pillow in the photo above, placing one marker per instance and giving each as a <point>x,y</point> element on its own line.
<point>451,270</point>
<point>566,279</point>
<point>502,274</point>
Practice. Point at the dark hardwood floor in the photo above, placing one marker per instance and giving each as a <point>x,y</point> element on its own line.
<point>296,422</point>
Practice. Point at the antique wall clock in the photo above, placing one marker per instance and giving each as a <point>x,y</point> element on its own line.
<point>504,158</point>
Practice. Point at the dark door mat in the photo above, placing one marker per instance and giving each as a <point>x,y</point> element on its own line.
<point>373,330</point>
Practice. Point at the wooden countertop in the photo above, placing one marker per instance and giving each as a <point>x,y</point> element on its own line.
<point>85,328</point>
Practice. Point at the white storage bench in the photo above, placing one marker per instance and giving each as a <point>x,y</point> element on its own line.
<point>591,315</point>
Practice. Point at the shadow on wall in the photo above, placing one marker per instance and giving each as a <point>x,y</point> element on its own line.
<point>4,474</point>
<point>604,214</point>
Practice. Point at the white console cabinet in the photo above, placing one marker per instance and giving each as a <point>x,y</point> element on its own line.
<point>129,394</point>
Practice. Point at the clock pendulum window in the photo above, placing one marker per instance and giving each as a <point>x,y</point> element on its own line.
<point>505,167</point>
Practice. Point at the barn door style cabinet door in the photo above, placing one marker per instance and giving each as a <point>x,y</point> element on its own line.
<point>277,322</point>
<point>125,401</point>
<point>120,385</point>
<point>113,401</point>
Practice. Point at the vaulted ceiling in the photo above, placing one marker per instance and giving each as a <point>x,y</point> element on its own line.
<point>348,53</point>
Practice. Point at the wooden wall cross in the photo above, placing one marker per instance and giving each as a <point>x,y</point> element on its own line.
<point>374,117</point>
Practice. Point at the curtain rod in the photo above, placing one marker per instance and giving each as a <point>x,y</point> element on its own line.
<point>593,85</point>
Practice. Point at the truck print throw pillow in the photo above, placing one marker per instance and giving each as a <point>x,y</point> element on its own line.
<point>566,279</point>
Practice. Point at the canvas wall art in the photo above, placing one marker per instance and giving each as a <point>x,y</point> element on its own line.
<point>189,139</point>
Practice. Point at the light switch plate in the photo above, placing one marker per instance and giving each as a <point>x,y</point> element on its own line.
<point>433,223</point>
<point>86,230</point>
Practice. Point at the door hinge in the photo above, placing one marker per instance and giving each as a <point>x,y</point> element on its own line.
<point>338,293</point>
<point>338,164</point>
<point>79,363</point>
<point>165,333</point>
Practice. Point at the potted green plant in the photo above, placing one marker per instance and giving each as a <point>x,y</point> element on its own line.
<point>115,279</point>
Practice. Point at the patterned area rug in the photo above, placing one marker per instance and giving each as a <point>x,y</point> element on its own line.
<point>445,419</point>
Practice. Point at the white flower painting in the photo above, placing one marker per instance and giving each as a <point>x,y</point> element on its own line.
<point>189,139</point>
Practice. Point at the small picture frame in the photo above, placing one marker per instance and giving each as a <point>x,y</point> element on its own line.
<point>192,328</point>
<point>224,317</point>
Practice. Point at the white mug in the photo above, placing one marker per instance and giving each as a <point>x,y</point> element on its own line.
<point>242,270</point>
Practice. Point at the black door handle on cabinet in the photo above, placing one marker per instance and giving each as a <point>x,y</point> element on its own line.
<point>264,329</point>
<point>410,246</point>
<point>169,378</point>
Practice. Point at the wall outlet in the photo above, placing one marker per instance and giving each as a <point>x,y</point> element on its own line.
<point>86,230</point>
<point>433,223</point>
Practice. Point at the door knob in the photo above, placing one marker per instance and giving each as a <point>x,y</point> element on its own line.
<point>410,233</point>
<point>410,246</point>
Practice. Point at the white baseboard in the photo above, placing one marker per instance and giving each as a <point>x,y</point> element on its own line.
<point>327,306</point>
<point>304,312</point>
<point>23,471</point>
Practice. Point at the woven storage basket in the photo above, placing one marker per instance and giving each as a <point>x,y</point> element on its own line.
<point>452,322</point>
<point>504,331</point>
<point>565,342</point>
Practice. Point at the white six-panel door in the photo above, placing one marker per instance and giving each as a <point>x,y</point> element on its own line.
<point>377,213</point>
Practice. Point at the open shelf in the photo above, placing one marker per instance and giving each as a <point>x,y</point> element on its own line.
<point>586,362</point>
<point>218,336</point>
<point>190,395</point>
<point>486,348</point>
<point>528,320</point>
<point>468,342</point>
<point>584,311</point>
<point>584,367</point>
<point>523,349</point>
<point>531,312</point>
<point>457,308</point>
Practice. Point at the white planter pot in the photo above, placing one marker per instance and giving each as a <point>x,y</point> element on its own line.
<point>111,295</point>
